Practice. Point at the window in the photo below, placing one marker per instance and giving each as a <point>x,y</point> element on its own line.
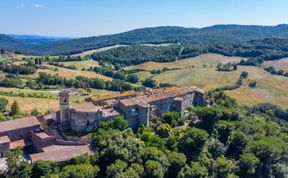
<point>134,112</point>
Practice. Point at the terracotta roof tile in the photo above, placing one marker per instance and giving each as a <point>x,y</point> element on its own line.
<point>18,124</point>
<point>4,139</point>
<point>159,94</point>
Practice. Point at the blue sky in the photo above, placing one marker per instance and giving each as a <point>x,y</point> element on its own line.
<point>79,18</point>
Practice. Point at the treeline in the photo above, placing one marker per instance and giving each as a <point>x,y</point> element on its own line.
<point>69,58</point>
<point>237,84</point>
<point>226,67</point>
<point>23,69</point>
<point>83,82</point>
<point>57,64</point>
<point>222,140</point>
<point>257,51</point>
<point>274,71</point>
<point>133,55</point>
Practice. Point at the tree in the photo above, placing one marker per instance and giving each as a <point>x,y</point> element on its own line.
<point>224,167</point>
<point>14,109</point>
<point>41,168</point>
<point>149,83</point>
<point>80,171</point>
<point>134,171</point>
<point>194,171</point>
<point>120,123</point>
<point>152,153</point>
<point>116,168</point>
<point>17,166</point>
<point>215,148</point>
<point>192,141</point>
<point>154,169</point>
<point>252,84</point>
<point>121,145</point>
<point>248,163</point>
<point>164,130</point>
<point>173,119</point>
<point>132,78</point>
<point>35,112</point>
<point>177,161</point>
<point>237,144</point>
<point>3,104</point>
<point>244,74</point>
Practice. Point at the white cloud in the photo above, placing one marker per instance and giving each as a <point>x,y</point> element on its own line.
<point>38,5</point>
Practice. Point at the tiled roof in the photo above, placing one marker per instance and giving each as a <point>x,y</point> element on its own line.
<point>18,124</point>
<point>85,107</point>
<point>159,94</point>
<point>4,139</point>
<point>114,95</point>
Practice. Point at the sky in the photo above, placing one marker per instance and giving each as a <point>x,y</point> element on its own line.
<point>81,18</point>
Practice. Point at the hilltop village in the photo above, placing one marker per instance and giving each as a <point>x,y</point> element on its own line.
<point>49,140</point>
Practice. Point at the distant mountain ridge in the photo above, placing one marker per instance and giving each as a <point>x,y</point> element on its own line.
<point>217,34</point>
<point>37,40</point>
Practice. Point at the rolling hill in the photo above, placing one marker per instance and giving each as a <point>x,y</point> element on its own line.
<point>223,34</point>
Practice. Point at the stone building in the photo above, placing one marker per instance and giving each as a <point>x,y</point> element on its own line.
<point>17,133</point>
<point>138,108</point>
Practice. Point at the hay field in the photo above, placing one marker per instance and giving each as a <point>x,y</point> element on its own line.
<point>68,73</point>
<point>279,64</point>
<point>82,64</point>
<point>86,53</point>
<point>208,59</point>
<point>270,88</point>
<point>27,104</point>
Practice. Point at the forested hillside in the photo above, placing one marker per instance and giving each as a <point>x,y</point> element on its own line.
<point>219,34</point>
<point>224,140</point>
<point>257,50</point>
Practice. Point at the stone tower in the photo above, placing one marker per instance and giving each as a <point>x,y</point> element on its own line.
<point>64,108</point>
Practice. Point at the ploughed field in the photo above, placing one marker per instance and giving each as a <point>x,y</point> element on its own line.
<point>200,71</point>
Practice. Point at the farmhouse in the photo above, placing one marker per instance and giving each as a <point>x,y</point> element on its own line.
<point>138,108</point>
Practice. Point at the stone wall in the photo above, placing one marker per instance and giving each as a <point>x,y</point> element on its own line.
<point>39,143</point>
<point>4,147</point>
<point>84,121</point>
<point>19,134</point>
